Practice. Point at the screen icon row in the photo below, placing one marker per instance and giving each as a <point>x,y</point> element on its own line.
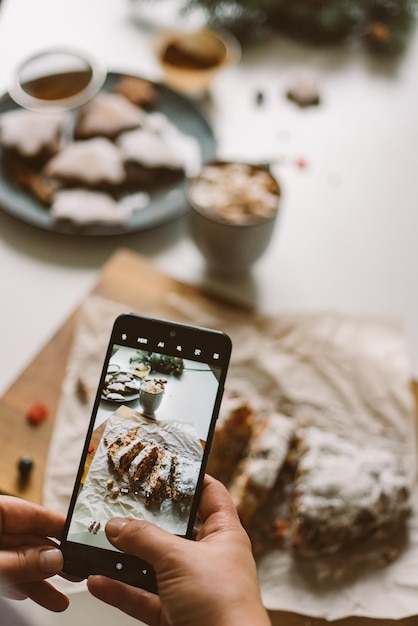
<point>162,345</point>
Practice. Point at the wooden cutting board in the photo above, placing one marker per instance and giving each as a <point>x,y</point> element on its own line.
<point>128,278</point>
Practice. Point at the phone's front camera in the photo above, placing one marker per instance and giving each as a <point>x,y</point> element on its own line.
<point>172,333</point>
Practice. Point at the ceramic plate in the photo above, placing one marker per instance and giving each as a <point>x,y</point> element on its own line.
<point>166,203</point>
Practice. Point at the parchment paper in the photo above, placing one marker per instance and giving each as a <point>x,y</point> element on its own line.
<point>347,374</point>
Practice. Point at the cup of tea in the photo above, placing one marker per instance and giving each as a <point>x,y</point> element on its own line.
<point>56,79</point>
<point>151,392</point>
<point>233,212</point>
<point>190,59</point>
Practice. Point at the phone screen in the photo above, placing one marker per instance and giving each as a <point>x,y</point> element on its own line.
<point>148,440</point>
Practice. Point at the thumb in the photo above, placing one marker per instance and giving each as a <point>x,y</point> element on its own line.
<point>142,539</point>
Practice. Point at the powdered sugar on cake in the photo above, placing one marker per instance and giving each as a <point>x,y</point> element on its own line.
<point>304,488</point>
<point>29,132</point>
<point>82,206</point>
<point>93,162</point>
<point>344,492</point>
<point>259,469</point>
<point>152,469</point>
<point>335,468</point>
<point>108,114</point>
<point>148,149</point>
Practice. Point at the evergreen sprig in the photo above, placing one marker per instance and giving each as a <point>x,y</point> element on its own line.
<point>383,25</point>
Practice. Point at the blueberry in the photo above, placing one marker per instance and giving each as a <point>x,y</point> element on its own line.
<point>25,466</point>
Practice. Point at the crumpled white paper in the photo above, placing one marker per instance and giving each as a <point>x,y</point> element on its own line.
<point>347,374</point>
<point>95,502</point>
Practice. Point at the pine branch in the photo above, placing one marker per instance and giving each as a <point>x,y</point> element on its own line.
<point>383,25</point>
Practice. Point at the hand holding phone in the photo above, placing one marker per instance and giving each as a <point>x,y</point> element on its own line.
<point>148,441</point>
<point>211,580</point>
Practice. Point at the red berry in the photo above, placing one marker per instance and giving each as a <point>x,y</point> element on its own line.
<point>301,164</point>
<point>37,413</point>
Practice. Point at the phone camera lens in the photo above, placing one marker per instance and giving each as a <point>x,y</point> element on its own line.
<point>172,333</point>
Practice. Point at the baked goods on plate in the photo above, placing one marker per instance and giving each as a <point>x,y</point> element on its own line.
<point>93,163</point>
<point>32,136</point>
<point>148,158</point>
<point>42,154</point>
<point>107,115</point>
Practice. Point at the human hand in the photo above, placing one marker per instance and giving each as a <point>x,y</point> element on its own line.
<point>27,556</point>
<point>212,580</point>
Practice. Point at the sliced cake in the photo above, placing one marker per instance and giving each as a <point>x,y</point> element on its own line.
<point>344,492</point>
<point>157,485</point>
<point>123,449</point>
<point>232,435</point>
<point>184,477</point>
<point>257,473</point>
<point>143,463</point>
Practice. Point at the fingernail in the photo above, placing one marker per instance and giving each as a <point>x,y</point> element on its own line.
<point>51,560</point>
<point>115,525</point>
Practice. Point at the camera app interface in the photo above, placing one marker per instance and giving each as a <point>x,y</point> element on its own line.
<point>145,451</point>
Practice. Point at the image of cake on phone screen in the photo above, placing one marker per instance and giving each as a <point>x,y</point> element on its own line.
<point>145,452</point>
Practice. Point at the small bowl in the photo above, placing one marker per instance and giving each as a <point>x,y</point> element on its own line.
<point>190,59</point>
<point>233,212</point>
<point>56,79</point>
<point>140,369</point>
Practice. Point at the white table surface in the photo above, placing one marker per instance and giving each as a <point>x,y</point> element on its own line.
<point>347,236</point>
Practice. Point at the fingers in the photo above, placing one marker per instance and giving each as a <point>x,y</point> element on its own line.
<point>30,563</point>
<point>137,603</point>
<point>18,517</point>
<point>142,539</point>
<point>44,594</point>
<point>28,556</point>
<point>216,510</point>
<point>11,542</point>
<point>215,498</point>
<point>40,592</point>
<point>152,543</point>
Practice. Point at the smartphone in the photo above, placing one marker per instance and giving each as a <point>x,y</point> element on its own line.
<point>147,442</point>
